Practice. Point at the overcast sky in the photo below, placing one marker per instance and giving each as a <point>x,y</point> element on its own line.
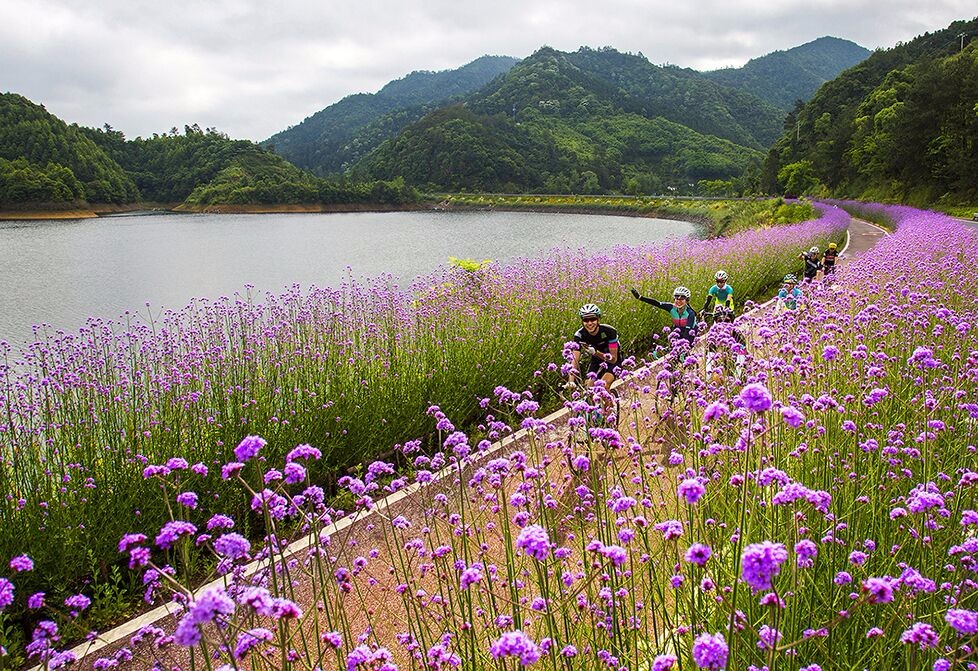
<point>251,68</point>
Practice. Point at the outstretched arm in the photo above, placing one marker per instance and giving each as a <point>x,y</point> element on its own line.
<point>646,299</point>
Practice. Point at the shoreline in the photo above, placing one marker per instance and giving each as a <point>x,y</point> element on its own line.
<point>570,209</point>
<point>93,212</point>
<point>319,208</point>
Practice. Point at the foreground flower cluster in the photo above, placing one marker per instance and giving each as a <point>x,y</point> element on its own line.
<point>349,370</point>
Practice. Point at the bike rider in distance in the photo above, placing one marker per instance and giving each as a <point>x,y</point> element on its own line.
<point>725,315</point>
<point>684,318</point>
<point>601,342</point>
<point>812,263</point>
<point>721,292</point>
<point>790,294</point>
<point>829,258</point>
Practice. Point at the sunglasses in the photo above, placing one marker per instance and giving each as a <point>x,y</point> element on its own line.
<point>678,298</point>
<point>588,320</point>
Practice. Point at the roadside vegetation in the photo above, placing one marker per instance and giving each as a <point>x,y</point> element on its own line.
<point>722,217</point>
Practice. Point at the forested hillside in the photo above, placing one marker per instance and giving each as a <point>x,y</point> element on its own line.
<point>901,125</point>
<point>334,138</point>
<point>200,168</point>
<point>587,122</point>
<point>782,78</point>
<point>43,159</point>
<point>47,164</point>
<point>168,167</point>
<point>601,81</point>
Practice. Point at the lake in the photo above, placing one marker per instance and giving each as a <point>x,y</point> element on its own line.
<point>62,272</point>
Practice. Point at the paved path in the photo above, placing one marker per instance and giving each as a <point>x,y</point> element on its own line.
<point>863,236</point>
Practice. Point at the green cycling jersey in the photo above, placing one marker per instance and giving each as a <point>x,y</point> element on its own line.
<point>722,295</point>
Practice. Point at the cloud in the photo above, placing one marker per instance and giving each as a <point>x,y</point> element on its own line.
<point>252,68</point>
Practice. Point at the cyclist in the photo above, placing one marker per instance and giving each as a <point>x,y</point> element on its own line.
<point>721,292</point>
<point>684,317</point>
<point>601,342</point>
<point>829,259</point>
<point>790,293</point>
<point>812,263</point>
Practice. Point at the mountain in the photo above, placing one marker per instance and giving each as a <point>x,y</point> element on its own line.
<point>745,107</point>
<point>339,135</point>
<point>583,122</point>
<point>43,159</point>
<point>608,79</point>
<point>781,78</point>
<point>900,125</point>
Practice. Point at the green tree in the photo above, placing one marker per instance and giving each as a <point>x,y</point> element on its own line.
<point>798,178</point>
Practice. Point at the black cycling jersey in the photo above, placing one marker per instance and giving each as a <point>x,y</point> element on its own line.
<point>828,261</point>
<point>812,265</point>
<point>601,341</point>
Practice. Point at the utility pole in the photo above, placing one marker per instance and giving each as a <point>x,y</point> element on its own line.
<point>961,35</point>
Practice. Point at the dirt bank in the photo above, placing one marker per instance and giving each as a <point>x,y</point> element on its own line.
<point>82,211</point>
<point>286,208</point>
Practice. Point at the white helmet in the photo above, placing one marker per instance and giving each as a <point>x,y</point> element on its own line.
<point>589,310</point>
<point>721,276</point>
<point>813,250</point>
<point>682,291</point>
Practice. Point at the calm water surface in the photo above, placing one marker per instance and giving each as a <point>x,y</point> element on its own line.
<point>62,272</point>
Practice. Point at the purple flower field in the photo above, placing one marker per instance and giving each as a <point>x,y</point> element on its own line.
<point>550,555</point>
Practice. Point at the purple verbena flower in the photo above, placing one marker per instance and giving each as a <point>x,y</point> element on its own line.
<point>756,397</point>
<point>250,639</point>
<point>963,621</point>
<point>921,634</point>
<point>515,644</point>
<point>21,563</point>
<point>172,531</point>
<point>698,554</point>
<point>232,546</point>
<point>880,590</point>
<point>534,541</point>
<point>303,452</point>
<point>691,489</point>
<point>248,448</point>
<point>761,562</point>
<point>710,651</point>
<point>6,593</point>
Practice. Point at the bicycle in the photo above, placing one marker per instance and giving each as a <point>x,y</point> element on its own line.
<point>596,405</point>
